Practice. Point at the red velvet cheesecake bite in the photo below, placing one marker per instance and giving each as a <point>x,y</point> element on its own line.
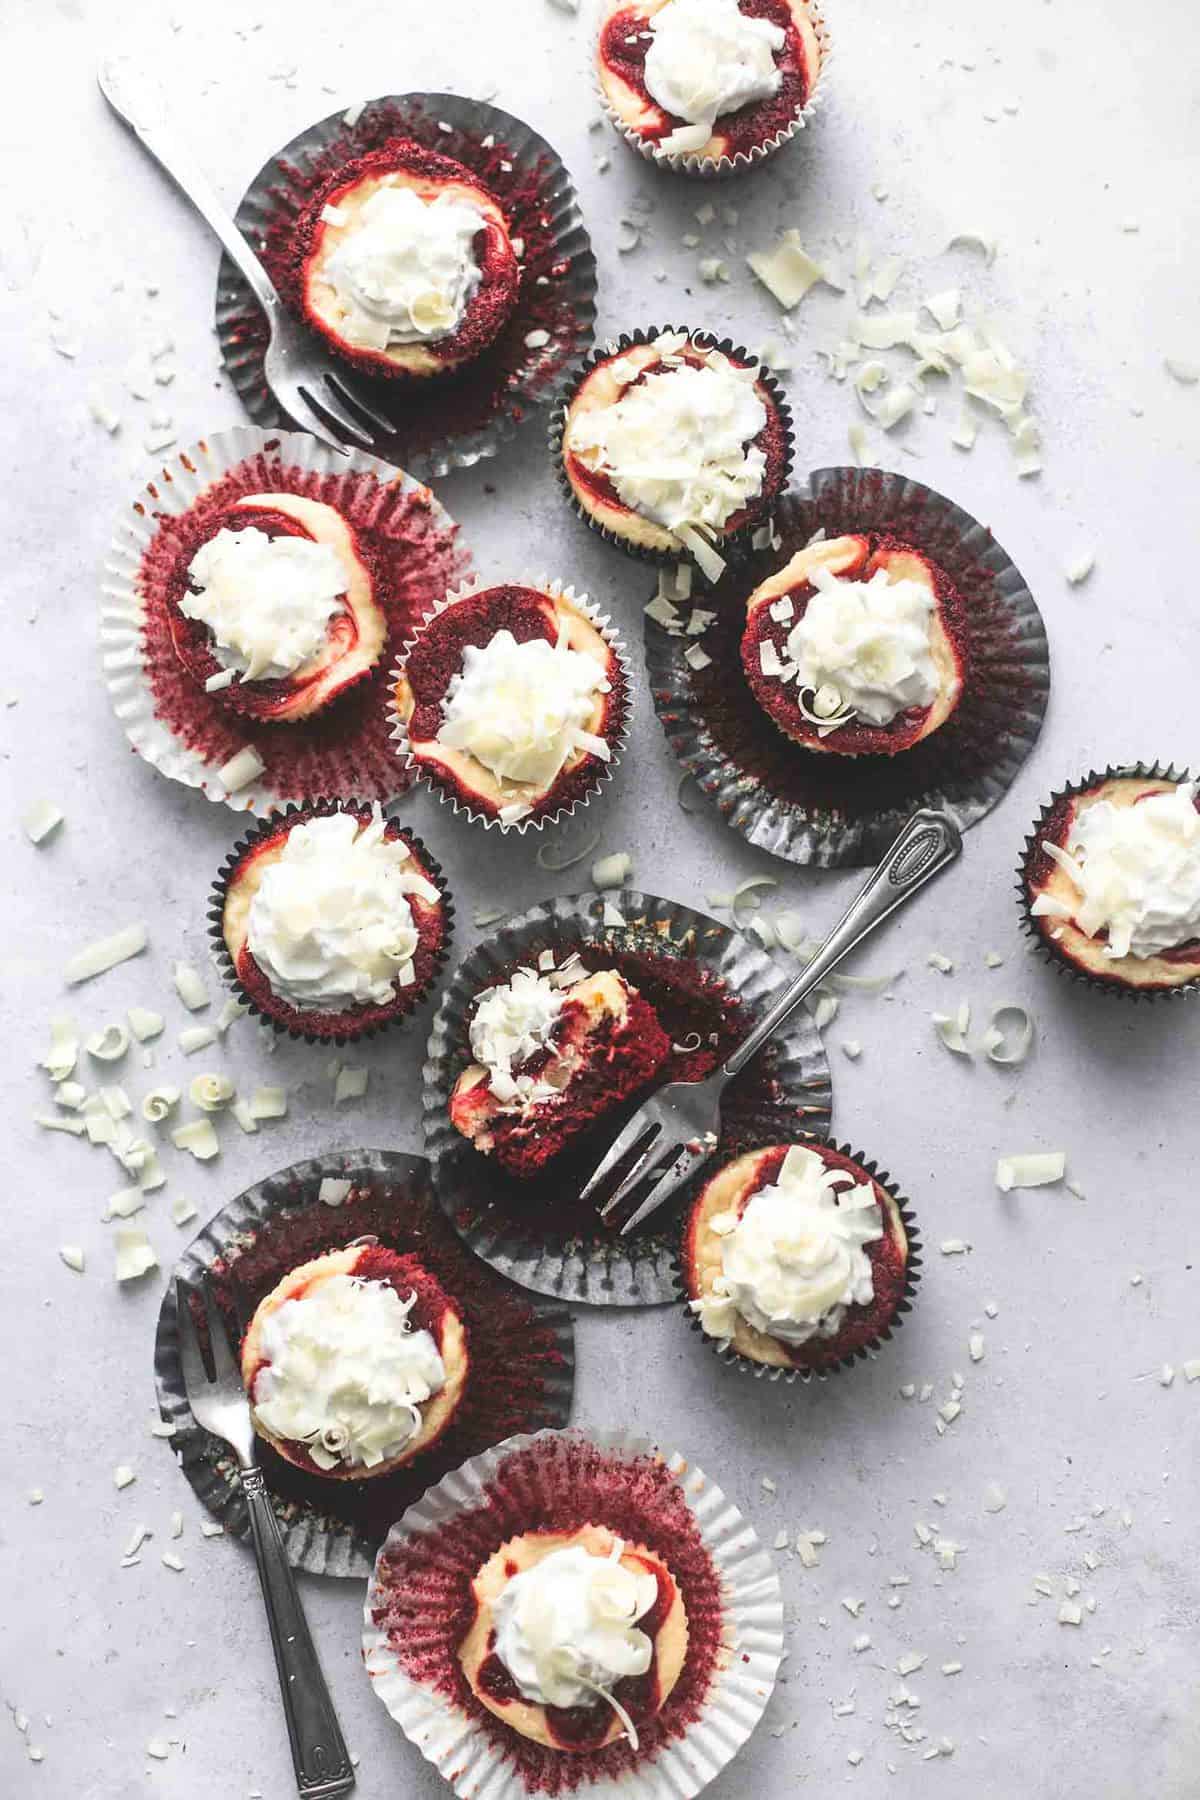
<point>511,701</point>
<point>856,647</point>
<point>795,1256</point>
<point>334,920</point>
<point>555,1050</point>
<point>1111,881</point>
<point>276,612</point>
<point>355,1363</point>
<point>403,262</point>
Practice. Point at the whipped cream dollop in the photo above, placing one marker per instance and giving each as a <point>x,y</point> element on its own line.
<point>405,271</point>
<point>566,1628</point>
<point>796,1258</point>
<point>344,1373</point>
<point>330,925</point>
<point>511,1024</point>
<point>266,600</point>
<point>678,446</point>
<point>521,709</point>
<point>869,641</point>
<point>1137,872</point>
<point>707,59</point>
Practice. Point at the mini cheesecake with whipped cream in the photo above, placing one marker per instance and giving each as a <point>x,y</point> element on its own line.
<point>856,647</point>
<point>795,1257</point>
<point>1112,881</point>
<point>576,1637</point>
<point>403,262</point>
<point>355,1363</point>
<point>673,446</point>
<point>511,701</point>
<point>554,1050</point>
<point>709,80</point>
<point>276,614</point>
<point>334,920</point>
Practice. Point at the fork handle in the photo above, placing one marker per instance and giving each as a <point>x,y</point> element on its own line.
<point>926,844</point>
<point>131,109</point>
<point>322,1762</point>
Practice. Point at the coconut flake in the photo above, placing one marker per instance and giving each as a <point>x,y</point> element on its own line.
<point>612,871</point>
<point>96,958</point>
<point>134,1253</point>
<point>245,766</point>
<point>1030,1169</point>
<point>198,1137</point>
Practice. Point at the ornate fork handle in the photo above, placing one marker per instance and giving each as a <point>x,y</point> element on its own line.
<point>323,1767</point>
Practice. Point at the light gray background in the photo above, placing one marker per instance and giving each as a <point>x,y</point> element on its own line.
<point>1066,1412</point>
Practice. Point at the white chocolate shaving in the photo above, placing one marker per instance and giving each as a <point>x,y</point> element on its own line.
<point>1031,1169</point>
<point>60,1059</point>
<point>104,954</point>
<point>350,1084</point>
<point>109,1044</point>
<point>245,766</point>
<point>158,1103</point>
<point>189,985</point>
<point>269,1103</point>
<point>211,1092</point>
<point>41,819</point>
<point>197,1137</point>
<point>134,1256</point>
<point>144,1024</point>
<point>612,871</point>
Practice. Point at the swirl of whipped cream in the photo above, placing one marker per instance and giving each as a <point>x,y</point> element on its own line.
<point>511,1023</point>
<point>1137,870</point>
<point>266,600</point>
<point>521,709</point>
<point>344,1373</point>
<point>678,445</point>
<point>869,641</point>
<point>566,1628</point>
<point>707,59</point>
<point>331,924</point>
<point>796,1258</point>
<point>405,270</point>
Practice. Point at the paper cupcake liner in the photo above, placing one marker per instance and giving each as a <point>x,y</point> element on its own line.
<point>618,738</point>
<point>1045,947</point>
<point>786,1088</point>
<point>451,422</point>
<point>737,1631</point>
<point>725,1352</point>
<point>718,169</point>
<point>335,1527</point>
<point>736,543</point>
<point>414,995</point>
<point>187,734</point>
<point>832,811</point>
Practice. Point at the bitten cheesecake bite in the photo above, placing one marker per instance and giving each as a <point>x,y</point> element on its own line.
<point>277,614</point>
<point>334,921</point>
<point>795,1256</point>
<point>554,1050</point>
<point>1112,881</point>
<point>673,446</point>
<point>511,701</point>
<point>355,1363</point>
<point>403,262</point>
<point>856,646</point>
<point>577,1637</point>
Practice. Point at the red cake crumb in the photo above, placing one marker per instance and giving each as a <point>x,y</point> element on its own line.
<point>424,1605</point>
<point>624,48</point>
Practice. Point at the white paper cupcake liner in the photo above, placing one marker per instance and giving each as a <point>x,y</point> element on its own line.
<point>171,491</point>
<point>467,1755</point>
<point>720,168</point>
<point>618,739</point>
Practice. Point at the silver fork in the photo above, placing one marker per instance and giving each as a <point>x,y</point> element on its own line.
<point>298,371</point>
<point>677,1129</point>
<point>219,1404</point>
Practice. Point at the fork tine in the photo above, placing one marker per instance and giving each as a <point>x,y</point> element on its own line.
<point>639,1127</point>
<point>347,389</point>
<point>224,1361</point>
<point>661,1190</point>
<point>322,395</point>
<point>301,413</point>
<point>647,1168</point>
<point>195,1366</point>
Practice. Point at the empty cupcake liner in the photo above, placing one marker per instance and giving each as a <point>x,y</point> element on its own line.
<point>1045,946</point>
<point>187,734</point>
<point>329,1528</point>
<point>415,995</point>
<point>446,425</point>
<point>718,169</point>
<point>618,737</point>
<point>832,811</point>
<point>784,1090</point>
<point>736,543</point>
<point>764,1371</point>
<point>516,1487</point>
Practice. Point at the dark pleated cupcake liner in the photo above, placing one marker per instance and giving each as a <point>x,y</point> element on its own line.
<point>592,1263</point>
<point>796,804</point>
<point>725,1353</point>
<point>732,547</point>
<point>322,809</point>
<point>318,1540</point>
<point>544,370</point>
<point>1044,945</point>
